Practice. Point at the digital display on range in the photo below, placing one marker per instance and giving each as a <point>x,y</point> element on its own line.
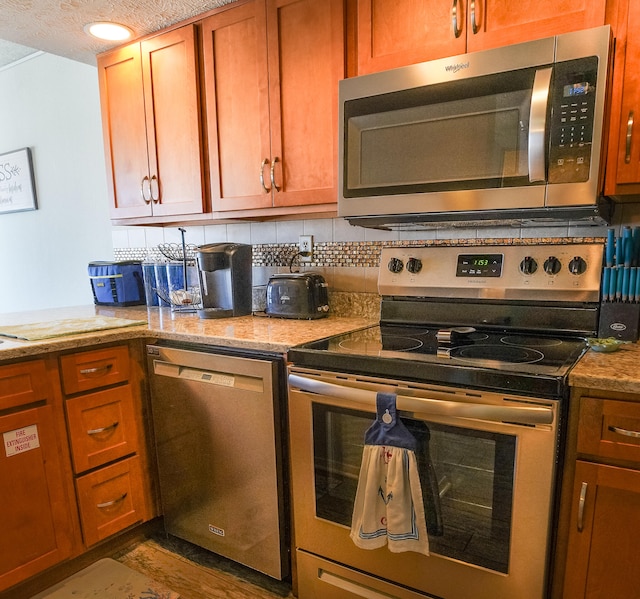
<point>479,265</point>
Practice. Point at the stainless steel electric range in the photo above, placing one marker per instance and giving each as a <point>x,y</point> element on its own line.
<point>477,344</point>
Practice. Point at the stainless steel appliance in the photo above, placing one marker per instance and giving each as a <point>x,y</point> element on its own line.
<point>225,279</point>
<point>509,134</point>
<point>476,343</point>
<point>297,295</point>
<point>218,426</point>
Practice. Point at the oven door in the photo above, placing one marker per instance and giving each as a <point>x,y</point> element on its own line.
<point>488,490</point>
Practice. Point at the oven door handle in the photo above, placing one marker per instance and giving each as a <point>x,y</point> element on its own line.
<point>430,407</point>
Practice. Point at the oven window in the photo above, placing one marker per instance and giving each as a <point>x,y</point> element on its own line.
<point>467,478</point>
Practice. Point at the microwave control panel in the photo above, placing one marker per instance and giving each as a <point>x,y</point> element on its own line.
<point>573,106</point>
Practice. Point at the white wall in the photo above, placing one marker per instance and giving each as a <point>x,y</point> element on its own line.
<point>51,105</point>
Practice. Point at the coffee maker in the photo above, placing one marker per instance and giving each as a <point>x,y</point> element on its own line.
<point>225,279</point>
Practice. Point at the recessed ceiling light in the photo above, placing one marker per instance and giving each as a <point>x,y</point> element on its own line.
<point>112,32</point>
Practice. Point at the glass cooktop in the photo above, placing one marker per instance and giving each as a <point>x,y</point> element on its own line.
<point>509,361</point>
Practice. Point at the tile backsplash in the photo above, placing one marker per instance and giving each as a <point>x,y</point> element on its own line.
<point>347,256</point>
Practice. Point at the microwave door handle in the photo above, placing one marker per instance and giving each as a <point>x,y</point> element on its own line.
<point>429,407</point>
<point>538,124</point>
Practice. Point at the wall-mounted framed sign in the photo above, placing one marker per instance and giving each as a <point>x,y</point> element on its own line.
<point>17,185</point>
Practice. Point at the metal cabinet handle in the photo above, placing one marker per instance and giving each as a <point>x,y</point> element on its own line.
<point>474,25</point>
<point>97,431</point>
<point>273,175</point>
<point>147,200</point>
<point>627,150</point>
<point>264,163</point>
<point>457,31</point>
<point>581,503</point>
<point>625,432</point>
<point>97,370</point>
<point>154,184</point>
<point>111,503</point>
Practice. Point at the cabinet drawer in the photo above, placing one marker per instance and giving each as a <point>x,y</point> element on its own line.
<point>102,427</point>
<point>609,428</point>
<point>22,384</point>
<point>88,370</point>
<point>110,499</point>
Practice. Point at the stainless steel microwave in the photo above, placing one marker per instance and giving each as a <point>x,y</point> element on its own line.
<point>513,134</point>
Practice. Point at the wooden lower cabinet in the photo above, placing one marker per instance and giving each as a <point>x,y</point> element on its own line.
<point>111,499</point>
<point>74,463</point>
<point>36,513</point>
<point>604,560</point>
<point>599,526</point>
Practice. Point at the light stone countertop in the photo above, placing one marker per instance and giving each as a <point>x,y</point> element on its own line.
<point>615,371</point>
<point>245,332</point>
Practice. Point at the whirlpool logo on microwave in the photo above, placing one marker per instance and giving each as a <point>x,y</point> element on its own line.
<point>454,68</point>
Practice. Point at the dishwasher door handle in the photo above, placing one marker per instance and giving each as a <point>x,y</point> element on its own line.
<point>430,407</point>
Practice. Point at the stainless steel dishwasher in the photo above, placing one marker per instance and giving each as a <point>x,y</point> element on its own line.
<point>218,430</point>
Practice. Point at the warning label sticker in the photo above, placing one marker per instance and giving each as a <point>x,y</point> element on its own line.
<point>21,440</point>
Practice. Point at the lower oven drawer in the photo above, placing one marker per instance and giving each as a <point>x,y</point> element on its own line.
<point>322,579</point>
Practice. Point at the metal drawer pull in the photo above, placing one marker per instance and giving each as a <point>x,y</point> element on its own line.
<point>273,175</point>
<point>97,431</point>
<point>97,369</point>
<point>625,432</point>
<point>429,407</point>
<point>627,150</point>
<point>457,32</point>
<point>581,503</point>
<point>111,503</point>
<point>474,24</point>
<point>264,163</point>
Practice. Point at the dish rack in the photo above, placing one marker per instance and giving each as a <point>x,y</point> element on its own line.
<point>182,293</point>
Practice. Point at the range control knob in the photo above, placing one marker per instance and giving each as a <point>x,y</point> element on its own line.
<point>528,266</point>
<point>414,265</point>
<point>552,265</point>
<point>395,265</point>
<point>577,265</point>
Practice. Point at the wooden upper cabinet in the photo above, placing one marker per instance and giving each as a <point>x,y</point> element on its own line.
<point>493,23</point>
<point>402,32</point>
<point>623,170</point>
<point>237,106</point>
<point>149,93</point>
<point>271,81</point>
<point>394,34</point>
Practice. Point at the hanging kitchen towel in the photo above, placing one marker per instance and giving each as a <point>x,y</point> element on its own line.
<point>388,507</point>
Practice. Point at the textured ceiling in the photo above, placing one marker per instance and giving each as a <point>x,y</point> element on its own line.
<point>56,26</point>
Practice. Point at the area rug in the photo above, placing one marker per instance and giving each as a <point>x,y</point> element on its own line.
<point>68,326</point>
<point>108,579</point>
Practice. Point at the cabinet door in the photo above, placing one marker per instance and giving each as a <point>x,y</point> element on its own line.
<point>628,150</point>
<point>394,34</point>
<point>306,61</point>
<point>171,94</point>
<point>237,107</point>
<point>493,23</point>
<point>603,558</point>
<point>124,131</point>
<point>34,507</point>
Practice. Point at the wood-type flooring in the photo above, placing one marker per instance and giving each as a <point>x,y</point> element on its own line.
<point>198,574</point>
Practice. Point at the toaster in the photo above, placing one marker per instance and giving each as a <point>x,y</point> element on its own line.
<point>297,295</point>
